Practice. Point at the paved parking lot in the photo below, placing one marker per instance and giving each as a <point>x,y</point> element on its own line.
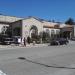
<point>46,60</point>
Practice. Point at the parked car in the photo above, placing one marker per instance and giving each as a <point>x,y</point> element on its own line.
<point>54,42</point>
<point>59,41</point>
<point>63,41</point>
<point>7,41</point>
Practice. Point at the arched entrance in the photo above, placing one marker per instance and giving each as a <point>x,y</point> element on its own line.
<point>33,31</point>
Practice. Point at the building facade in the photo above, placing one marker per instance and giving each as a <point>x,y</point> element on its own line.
<point>31,24</point>
<point>26,27</point>
<point>5,22</point>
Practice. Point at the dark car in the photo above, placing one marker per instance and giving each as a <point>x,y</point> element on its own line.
<point>63,41</point>
<point>7,41</point>
<point>59,41</point>
<point>54,42</point>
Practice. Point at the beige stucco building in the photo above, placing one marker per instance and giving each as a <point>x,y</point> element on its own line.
<point>27,24</point>
<point>24,27</point>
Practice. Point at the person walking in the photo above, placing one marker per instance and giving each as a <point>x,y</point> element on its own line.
<point>28,40</point>
<point>24,42</point>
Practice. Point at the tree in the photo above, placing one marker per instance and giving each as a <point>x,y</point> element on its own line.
<point>17,31</point>
<point>45,36</point>
<point>9,32</point>
<point>70,21</point>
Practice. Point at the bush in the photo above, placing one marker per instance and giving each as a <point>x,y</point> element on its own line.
<point>45,37</point>
<point>36,38</point>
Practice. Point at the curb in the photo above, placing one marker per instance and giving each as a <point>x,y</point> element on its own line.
<point>28,46</point>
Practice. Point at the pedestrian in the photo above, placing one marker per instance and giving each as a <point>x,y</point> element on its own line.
<point>19,41</point>
<point>28,40</point>
<point>33,42</point>
<point>24,41</point>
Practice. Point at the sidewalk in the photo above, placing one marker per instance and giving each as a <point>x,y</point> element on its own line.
<point>71,42</point>
<point>22,46</point>
<point>31,45</point>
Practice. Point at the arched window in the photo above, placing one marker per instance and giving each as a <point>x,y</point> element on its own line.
<point>57,31</point>
<point>52,33</point>
<point>47,30</point>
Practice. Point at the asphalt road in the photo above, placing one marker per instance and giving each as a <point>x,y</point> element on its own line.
<point>51,60</point>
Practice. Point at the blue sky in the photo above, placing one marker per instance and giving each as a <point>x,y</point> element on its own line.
<point>59,10</point>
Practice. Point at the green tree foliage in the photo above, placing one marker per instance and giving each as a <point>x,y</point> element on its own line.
<point>45,36</point>
<point>17,31</point>
<point>9,32</point>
